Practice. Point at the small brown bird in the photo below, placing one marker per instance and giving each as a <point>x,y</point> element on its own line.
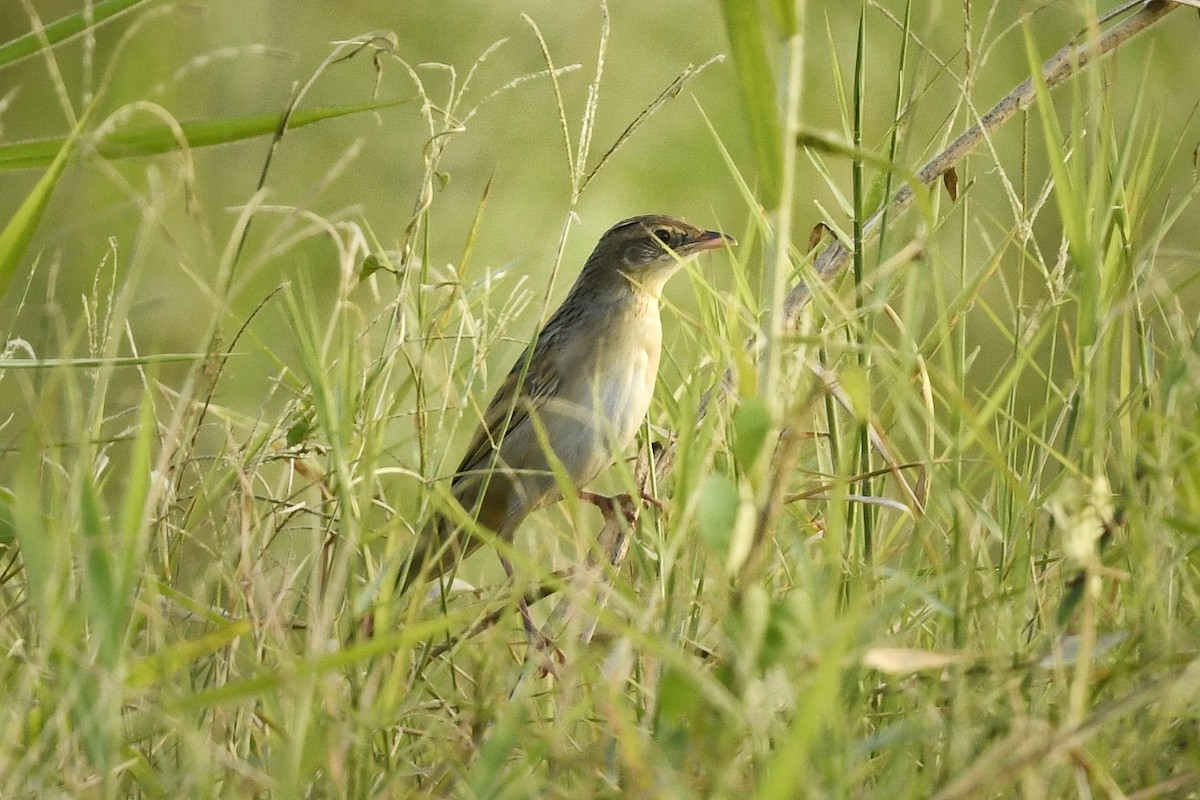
<point>583,386</point>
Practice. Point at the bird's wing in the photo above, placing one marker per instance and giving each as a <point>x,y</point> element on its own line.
<point>510,408</point>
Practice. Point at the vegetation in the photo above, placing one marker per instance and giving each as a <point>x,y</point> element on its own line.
<point>929,525</point>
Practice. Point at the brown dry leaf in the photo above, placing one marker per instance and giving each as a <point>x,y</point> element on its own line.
<point>950,181</point>
<point>818,232</point>
<point>903,660</point>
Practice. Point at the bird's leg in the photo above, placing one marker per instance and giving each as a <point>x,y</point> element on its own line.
<point>531,631</point>
<point>608,505</point>
<point>538,641</point>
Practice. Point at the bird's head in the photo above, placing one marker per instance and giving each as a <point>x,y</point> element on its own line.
<point>645,251</point>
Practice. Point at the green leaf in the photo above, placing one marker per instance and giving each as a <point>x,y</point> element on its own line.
<point>63,29</point>
<point>756,79</point>
<point>678,695</point>
<point>370,265</point>
<point>716,514</point>
<point>751,423</point>
<point>18,233</point>
<point>857,390</point>
<point>782,634</point>
<point>784,12</point>
<point>300,430</point>
<point>157,138</point>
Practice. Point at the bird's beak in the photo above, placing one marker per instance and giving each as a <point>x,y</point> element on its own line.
<point>711,240</point>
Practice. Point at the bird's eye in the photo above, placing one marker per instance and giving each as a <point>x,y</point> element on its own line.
<point>663,235</point>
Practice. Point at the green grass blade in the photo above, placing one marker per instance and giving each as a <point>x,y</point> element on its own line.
<point>18,233</point>
<point>160,666</point>
<point>1066,191</point>
<point>93,363</point>
<point>756,80</point>
<point>101,594</point>
<point>134,517</point>
<point>7,526</point>
<point>63,29</point>
<point>784,12</point>
<point>40,558</point>
<point>272,679</point>
<point>155,139</point>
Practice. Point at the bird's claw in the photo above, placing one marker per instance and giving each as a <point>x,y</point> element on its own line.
<point>541,644</point>
<point>609,505</point>
<point>552,658</point>
<point>651,500</point>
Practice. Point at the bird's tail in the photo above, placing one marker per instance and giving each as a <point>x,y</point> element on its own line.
<point>439,547</point>
<point>442,544</point>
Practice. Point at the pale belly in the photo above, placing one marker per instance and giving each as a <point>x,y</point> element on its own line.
<point>594,416</point>
<point>615,407</point>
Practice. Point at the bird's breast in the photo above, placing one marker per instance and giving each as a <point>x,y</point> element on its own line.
<point>616,372</point>
<point>625,381</point>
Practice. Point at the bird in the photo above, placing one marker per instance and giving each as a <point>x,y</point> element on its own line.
<point>575,397</point>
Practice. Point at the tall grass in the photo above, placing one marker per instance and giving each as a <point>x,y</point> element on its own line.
<point>930,536</point>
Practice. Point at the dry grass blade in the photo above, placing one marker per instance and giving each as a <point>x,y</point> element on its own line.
<point>667,94</point>
<point>558,96</point>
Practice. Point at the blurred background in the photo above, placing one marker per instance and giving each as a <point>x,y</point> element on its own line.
<point>223,59</point>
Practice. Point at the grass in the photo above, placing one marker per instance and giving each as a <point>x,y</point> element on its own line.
<point>938,542</point>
